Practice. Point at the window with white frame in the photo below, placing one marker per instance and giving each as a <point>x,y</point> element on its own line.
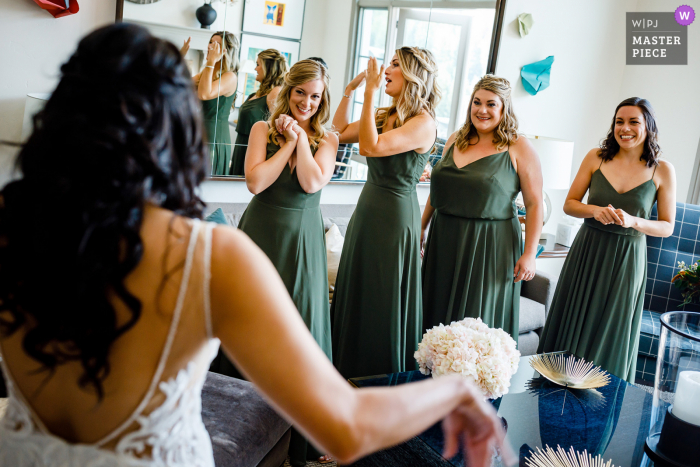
<point>460,39</point>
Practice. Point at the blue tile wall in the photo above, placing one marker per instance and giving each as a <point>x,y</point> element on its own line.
<point>663,256</point>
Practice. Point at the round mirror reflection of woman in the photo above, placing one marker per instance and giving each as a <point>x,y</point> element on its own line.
<point>596,311</point>
<point>290,158</point>
<point>271,66</point>
<point>376,307</point>
<point>216,88</point>
<point>474,260</point>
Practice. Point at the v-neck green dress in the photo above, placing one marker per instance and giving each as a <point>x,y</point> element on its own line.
<point>596,311</point>
<point>473,244</point>
<point>215,113</point>
<point>251,112</point>
<point>286,223</point>
<point>376,308</point>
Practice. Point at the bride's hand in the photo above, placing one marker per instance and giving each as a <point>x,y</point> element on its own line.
<point>476,425</point>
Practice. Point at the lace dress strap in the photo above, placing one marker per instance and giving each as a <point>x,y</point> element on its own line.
<point>209,228</point>
<point>168,342</point>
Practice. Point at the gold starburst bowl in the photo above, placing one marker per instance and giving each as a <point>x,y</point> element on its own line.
<point>570,371</point>
<point>548,457</point>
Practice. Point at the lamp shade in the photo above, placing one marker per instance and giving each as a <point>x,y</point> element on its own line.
<point>556,156</point>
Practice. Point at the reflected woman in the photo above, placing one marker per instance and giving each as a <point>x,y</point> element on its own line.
<point>216,87</point>
<point>271,68</point>
<point>290,159</point>
<point>474,260</point>
<point>376,306</point>
<point>597,307</point>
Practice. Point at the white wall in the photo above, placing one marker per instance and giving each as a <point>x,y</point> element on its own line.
<point>327,34</point>
<point>674,92</point>
<point>33,45</point>
<point>182,13</point>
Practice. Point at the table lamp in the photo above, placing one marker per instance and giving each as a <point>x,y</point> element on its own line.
<point>556,156</point>
<point>675,429</point>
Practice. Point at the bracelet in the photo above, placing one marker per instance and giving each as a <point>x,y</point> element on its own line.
<point>209,66</point>
<point>348,96</point>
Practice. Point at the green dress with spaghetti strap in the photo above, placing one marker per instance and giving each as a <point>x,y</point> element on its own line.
<point>376,307</point>
<point>473,244</point>
<point>215,113</point>
<point>251,112</point>
<point>286,223</point>
<point>596,311</point>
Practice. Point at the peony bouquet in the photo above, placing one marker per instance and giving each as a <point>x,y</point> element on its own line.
<point>484,356</point>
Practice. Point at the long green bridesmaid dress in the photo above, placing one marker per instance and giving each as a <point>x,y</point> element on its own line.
<point>596,311</point>
<point>251,112</point>
<point>286,223</point>
<point>216,112</point>
<point>376,307</point>
<point>473,244</point>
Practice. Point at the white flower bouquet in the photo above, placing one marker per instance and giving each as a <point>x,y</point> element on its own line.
<point>484,356</point>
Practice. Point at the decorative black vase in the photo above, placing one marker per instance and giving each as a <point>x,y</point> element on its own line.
<point>206,15</point>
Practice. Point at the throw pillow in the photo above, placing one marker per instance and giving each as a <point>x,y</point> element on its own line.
<point>217,217</point>
<point>334,248</point>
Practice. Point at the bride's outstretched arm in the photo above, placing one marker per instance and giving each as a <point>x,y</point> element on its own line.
<point>262,332</point>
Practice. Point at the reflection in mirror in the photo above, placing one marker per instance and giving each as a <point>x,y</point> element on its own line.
<point>459,33</point>
<point>208,38</point>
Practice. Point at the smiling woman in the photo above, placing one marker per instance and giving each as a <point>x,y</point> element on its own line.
<point>290,158</point>
<point>597,308</point>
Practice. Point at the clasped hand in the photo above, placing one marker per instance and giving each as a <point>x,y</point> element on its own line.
<point>214,53</point>
<point>289,128</point>
<point>609,215</point>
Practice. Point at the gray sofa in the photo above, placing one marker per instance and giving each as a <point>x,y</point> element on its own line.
<point>536,295</point>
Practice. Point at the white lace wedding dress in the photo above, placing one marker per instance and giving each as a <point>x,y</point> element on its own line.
<point>171,435</point>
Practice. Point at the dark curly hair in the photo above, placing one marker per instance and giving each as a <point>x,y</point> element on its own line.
<point>122,129</point>
<point>609,146</point>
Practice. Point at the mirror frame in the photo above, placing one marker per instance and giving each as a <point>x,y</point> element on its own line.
<point>500,11</point>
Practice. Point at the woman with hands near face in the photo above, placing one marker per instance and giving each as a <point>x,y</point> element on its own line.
<point>271,66</point>
<point>597,307</point>
<point>216,88</point>
<point>474,259</point>
<point>289,159</point>
<point>377,305</point>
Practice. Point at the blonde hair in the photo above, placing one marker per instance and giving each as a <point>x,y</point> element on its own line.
<point>229,60</point>
<point>506,133</point>
<point>274,66</point>
<point>302,72</point>
<point>420,89</point>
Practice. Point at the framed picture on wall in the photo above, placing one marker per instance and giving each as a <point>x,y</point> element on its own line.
<point>283,18</point>
<point>251,46</point>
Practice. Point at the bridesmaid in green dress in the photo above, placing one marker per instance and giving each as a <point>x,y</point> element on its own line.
<point>216,87</point>
<point>270,70</point>
<point>376,308</point>
<point>290,159</point>
<point>597,307</point>
<point>474,260</point>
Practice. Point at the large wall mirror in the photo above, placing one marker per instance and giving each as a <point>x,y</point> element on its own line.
<point>464,35</point>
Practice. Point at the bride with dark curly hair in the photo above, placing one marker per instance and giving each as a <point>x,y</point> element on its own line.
<point>114,301</point>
